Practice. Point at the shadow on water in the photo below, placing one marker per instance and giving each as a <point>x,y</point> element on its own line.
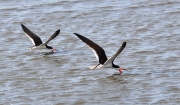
<point>124,76</point>
<point>50,53</point>
<point>117,78</point>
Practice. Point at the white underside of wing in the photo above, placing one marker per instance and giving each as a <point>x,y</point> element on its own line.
<point>30,38</point>
<point>108,63</point>
<point>94,53</point>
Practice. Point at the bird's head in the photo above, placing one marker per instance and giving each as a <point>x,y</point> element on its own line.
<point>49,47</point>
<point>120,69</point>
<point>53,49</point>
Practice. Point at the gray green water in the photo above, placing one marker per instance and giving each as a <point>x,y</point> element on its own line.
<point>151,29</point>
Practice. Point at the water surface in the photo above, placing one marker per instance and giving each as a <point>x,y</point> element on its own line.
<point>150,28</point>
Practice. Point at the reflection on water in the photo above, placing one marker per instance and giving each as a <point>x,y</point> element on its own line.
<point>151,29</point>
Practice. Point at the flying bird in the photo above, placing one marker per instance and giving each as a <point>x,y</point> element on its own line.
<point>38,44</point>
<point>101,55</point>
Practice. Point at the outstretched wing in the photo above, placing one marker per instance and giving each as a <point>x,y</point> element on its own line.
<point>99,52</point>
<point>52,37</point>
<point>33,37</point>
<point>111,59</point>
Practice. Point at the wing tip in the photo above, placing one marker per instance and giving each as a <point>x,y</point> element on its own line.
<point>22,25</point>
<point>79,36</point>
<point>76,34</point>
<point>124,44</point>
<point>58,31</point>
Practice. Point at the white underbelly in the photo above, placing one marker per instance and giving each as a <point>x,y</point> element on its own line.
<point>106,69</point>
<point>102,66</point>
<point>38,47</point>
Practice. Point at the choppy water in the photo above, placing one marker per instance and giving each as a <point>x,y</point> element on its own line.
<point>151,29</point>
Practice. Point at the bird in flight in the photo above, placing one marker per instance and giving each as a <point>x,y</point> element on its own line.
<point>100,54</point>
<point>38,44</point>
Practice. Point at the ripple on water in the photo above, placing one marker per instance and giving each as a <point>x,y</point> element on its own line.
<point>150,28</point>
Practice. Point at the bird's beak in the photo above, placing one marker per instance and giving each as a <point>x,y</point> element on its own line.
<point>55,50</point>
<point>121,69</point>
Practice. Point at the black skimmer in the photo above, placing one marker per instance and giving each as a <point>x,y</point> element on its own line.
<point>38,44</point>
<point>100,54</point>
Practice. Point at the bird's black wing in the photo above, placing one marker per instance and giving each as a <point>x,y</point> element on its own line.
<point>99,52</point>
<point>111,59</point>
<point>33,37</point>
<point>52,37</point>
